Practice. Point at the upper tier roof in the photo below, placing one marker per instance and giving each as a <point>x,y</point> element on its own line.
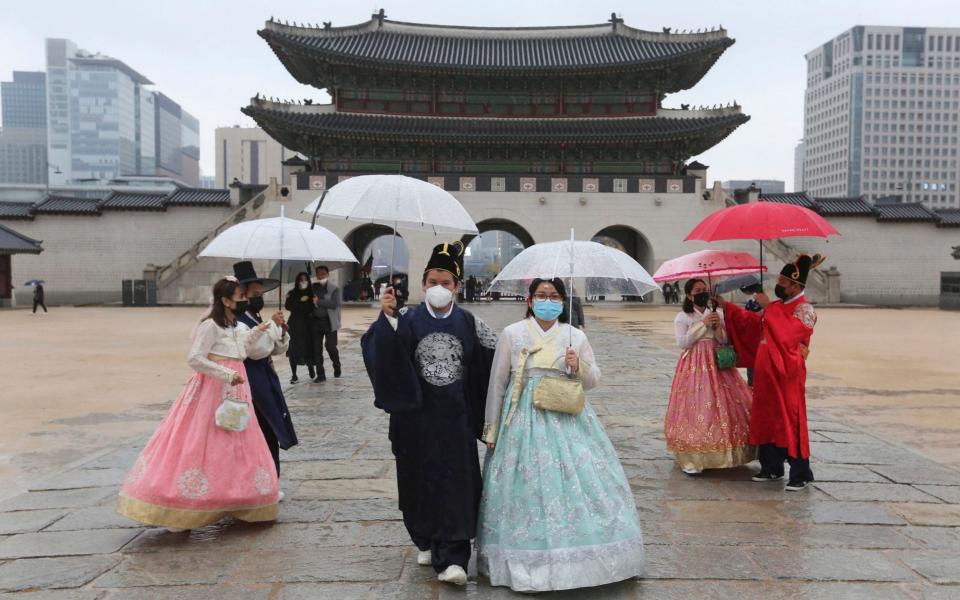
<point>287,121</point>
<point>451,49</point>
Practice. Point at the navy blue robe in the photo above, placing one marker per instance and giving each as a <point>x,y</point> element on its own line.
<point>267,394</point>
<point>431,375</point>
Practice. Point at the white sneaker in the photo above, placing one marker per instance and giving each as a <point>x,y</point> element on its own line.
<point>424,558</point>
<point>691,471</point>
<point>281,496</point>
<point>176,530</point>
<point>454,574</point>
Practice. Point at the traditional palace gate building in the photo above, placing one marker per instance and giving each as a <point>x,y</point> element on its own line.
<point>535,130</point>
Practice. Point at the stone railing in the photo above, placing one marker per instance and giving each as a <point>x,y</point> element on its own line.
<point>245,212</point>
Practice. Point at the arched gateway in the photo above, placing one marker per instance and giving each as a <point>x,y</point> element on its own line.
<point>548,123</point>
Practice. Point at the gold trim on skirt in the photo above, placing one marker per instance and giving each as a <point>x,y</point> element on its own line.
<point>185,518</point>
<point>723,459</point>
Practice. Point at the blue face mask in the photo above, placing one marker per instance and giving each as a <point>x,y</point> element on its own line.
<point>547,310</point>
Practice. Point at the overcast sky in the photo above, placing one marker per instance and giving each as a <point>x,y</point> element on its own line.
<point>206,54</point>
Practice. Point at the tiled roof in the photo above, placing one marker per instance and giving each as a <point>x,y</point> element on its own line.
<point>948,217</point>
<point>708,130</point>
<point>392,43</point>
<point>133,200</point>
<point>913,212</point>
<point>16,210</point>
<point>199,197</point>
<point>797,198</point>
<point>64,205</point>
<point>844,207</point>
<point>12,242</point>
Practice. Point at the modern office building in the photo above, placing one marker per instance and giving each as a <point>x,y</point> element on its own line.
<point>23,137</point>
<point>881,115</point>
<point>248,155</point>
<point>798,157</point>
<point>24,100</point>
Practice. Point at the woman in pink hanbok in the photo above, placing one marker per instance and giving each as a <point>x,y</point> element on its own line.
<point>203,465</point>
<point>708,417</point>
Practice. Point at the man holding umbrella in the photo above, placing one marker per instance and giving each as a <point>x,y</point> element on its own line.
<point>269,403</point>
<point>775,344</point>
<point>430,368</point>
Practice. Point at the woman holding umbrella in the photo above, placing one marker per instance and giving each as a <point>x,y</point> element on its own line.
<point>300,304</point>
<point>557,511</point>
<point>708,417</point>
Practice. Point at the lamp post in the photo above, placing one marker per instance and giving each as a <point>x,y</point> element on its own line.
<point>56,171</point>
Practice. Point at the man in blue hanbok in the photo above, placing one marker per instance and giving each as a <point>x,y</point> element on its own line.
<point>430,367</point>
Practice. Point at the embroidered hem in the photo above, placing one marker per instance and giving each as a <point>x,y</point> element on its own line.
<point>723,459</point>
<point>186,518</point>
<point>561,568</point>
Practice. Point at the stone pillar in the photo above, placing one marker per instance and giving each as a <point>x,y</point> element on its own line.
<point>833,285</point>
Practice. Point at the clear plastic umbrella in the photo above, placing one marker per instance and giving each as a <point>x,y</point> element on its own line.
<point>280,238</point>
<point>609,270</point>
<point>396,201</point>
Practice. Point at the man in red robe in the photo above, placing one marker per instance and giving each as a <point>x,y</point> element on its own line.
<point>775,342</point>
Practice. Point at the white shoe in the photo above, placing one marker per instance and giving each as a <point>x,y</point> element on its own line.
<point>691,471</point>
<point>176,530</point>
<point>281,496</point>
<point>454,574</point>
<point>424,558</point>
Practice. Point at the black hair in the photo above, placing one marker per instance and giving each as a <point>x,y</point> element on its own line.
<point>561,289</point>
<point>687,288</point>
<point>324,267</point>
<point>224,288</point>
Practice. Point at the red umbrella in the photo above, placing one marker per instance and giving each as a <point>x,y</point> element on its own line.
<point>707,263</point>
<point>761,221</point>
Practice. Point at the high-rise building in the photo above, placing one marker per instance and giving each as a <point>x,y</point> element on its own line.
<point>249,155</point>
<point>104,121</point>
<point>799,154</point>
<point>881,115</point>
<point>24,100</point>
<point>23,139</point>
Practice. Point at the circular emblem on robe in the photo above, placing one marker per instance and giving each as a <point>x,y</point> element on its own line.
<point>440,358</point>
<point>193,484</point>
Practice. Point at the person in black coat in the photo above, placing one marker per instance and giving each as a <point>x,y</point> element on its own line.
<point>300,304</point>
<point>38,298</point>
<point>269,403</point>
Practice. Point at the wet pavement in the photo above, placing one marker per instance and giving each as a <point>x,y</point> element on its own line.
<point>880,522</point>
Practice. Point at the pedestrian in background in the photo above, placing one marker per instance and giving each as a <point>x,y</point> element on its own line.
<point>300,304</point>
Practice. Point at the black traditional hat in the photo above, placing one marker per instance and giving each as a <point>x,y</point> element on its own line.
<point>245,273</point>
<point>799,270</point>
<point>447,257</point>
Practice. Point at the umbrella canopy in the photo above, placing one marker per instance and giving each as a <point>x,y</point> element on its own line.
<point>394,200</point>
<point>609,270</point>
<point>707,264</point>
<point>280,238</point>
<point>761,221</point>
<point>35,282</point>
<point>287,270</point>
<point>742,281</point>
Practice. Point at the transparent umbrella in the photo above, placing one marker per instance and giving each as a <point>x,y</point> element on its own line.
<point>609,270</point>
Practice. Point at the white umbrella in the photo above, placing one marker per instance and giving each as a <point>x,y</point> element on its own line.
<point>397,201</point>
<point>606,267</point>
<point>280,238</point>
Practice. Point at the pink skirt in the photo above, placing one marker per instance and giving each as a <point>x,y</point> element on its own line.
<point>192,473</point>
<point>708,417</point>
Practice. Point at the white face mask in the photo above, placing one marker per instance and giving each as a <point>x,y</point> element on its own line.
<point>303,285</point>
<point>322,281</point>
<point>439,296</point>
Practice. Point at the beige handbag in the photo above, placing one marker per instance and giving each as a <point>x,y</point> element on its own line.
<point>560,394</point>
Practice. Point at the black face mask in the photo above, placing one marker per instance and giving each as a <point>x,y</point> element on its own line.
<point>781,292</point>
<point>701,299</point>
<point>255,305</point>
<point>240,308</point>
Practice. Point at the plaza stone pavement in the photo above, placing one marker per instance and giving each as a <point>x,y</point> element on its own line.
<point>880,522</point>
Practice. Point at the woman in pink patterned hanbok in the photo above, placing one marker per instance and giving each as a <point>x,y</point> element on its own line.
<point>708,417</point>
<point>193,471</point>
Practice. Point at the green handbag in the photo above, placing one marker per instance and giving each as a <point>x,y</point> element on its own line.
<point>726,357</point>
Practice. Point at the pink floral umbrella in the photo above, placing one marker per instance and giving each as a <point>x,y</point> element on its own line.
<point>708,264</point>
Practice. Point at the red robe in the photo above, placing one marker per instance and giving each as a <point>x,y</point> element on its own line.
<point>773,339</point>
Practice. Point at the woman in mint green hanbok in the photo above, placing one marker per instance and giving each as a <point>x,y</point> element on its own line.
<point>557,511</point>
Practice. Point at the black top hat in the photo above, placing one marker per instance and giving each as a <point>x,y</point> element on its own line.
<point>799,270</point>
<point>245,273</point>
<point>447,257</point>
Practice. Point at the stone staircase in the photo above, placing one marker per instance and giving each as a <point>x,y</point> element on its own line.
<point>187,280</point>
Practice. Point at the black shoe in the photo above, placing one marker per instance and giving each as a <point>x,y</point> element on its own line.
<point>320,378</point>
<point>312,374</point>
<point>762,477</point>
<point>294,379</point>
<point>796,486</point>
<point>337,372</point>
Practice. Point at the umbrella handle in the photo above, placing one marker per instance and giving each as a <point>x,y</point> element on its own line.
<point>313,222</point>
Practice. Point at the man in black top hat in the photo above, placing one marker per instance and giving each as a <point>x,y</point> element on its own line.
<point>269,403</point>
